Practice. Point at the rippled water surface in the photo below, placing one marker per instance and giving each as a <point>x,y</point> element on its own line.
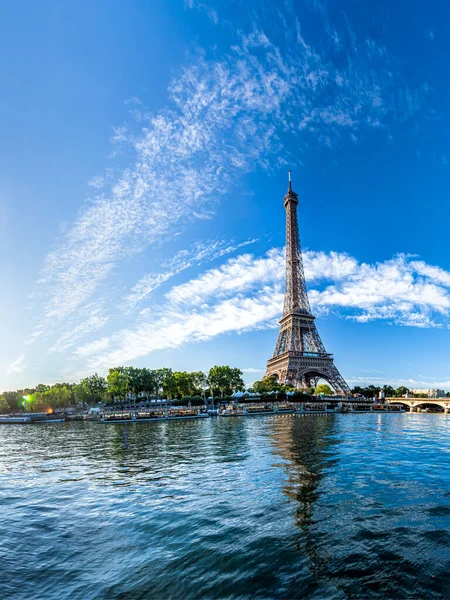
<point>341,506</point>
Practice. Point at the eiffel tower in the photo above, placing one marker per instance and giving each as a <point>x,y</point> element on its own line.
<point>300,357</point>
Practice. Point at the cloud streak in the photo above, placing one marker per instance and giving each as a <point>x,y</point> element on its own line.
<point>199,253</point>
<point>246,293</point>
<point>17,366</point>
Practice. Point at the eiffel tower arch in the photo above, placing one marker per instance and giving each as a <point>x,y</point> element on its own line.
<point>300,357</point>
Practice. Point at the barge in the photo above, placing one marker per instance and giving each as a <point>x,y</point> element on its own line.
<point>33,419</point>
<point>144,416</point>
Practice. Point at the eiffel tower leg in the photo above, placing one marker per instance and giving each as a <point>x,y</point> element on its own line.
<point>302,382</point>
<point>336,381</point>
<point>313,382</point>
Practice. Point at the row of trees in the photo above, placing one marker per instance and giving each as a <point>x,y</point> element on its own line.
<point>270,385</point>
<point>219,381</point>
<point>42,397</point>
<point>389,392</point>
<point>123,382</point>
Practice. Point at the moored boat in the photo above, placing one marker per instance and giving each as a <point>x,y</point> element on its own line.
<point>186,413</point>
<point>285,409</point>
<point>145,416</point>
<point>5,420</point>
<point>116,417</point>
<point>312,408</point>
<point>259,409</point>
<point>152,415</point>
<point>30,420</point>
<point>232,411</point>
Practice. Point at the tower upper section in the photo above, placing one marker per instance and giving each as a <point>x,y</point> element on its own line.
<point>295,292</point>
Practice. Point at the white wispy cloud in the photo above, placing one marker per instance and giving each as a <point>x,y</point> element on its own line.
<point>17,366</point>
<point>237,275</point>
<point>199,253</point>
<point>246,293</point>
<point>246,272</point>
<point>174,328</point>
<point>92,318</point>
<point>399,290</point>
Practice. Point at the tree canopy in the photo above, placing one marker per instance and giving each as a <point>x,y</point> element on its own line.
<point>4,406</point>
<point>225,379</point>
<point>132,383</point>
<point>323,388</point>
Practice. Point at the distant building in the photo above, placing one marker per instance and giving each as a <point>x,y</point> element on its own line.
<point>430,393</point>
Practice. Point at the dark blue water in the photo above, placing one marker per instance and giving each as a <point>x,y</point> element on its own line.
<point>342,506</point>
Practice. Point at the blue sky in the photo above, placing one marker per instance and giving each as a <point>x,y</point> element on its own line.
<point>144,158</point>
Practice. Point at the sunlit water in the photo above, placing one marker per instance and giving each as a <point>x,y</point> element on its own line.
<point>342,506</point>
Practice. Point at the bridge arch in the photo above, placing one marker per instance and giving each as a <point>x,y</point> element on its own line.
<point>311,377</point>
<point>400,401</point>
<point>419,403</point>
<point>428,404</point>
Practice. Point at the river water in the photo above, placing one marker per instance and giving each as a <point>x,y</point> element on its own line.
<point>340,506</point>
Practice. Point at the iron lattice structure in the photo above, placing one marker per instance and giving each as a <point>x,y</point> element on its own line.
<point>300,357</point>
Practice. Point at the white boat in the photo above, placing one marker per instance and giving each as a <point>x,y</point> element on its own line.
<point>186,413</point>
<point>232,412</point>
<point>153,415</point>
<point>284,409</point>
<point>259,409</point>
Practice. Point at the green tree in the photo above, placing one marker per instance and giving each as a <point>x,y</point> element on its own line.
<point>236,381</point>
<point>141,380</point>
<point>62,397</point>
<point>323,388</point>
<point>146,381</point>
<point>4,406</point>
<point>96,385</point>
<point>14,399</point>
<point>182,383</point>
<point>401,391</point>
<point>163,379</point>
<point>197,383</point>
<point>217,379</point>
<point>37,402</point>
<point>169,384</point>
<point>267,385</point>
<point>82,393</point>
<point>91,389</point>
<point>118,382</point>
<point>225,379</point>
<point>58,396</point>
<point>369,392</point>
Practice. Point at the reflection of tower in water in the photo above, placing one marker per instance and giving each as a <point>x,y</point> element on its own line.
<point>306,445</point>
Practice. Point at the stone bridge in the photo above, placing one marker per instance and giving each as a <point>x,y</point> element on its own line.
<point>415,404</point>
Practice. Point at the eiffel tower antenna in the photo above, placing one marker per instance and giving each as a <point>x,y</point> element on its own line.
<point>300,357</point>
